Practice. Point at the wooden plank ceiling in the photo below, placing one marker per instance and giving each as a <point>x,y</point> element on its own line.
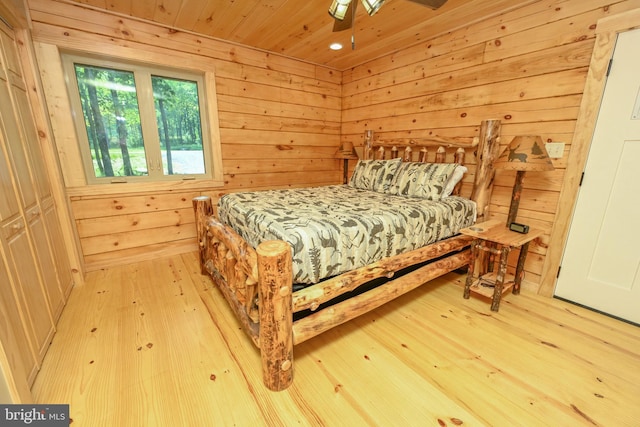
<point>302,29</point>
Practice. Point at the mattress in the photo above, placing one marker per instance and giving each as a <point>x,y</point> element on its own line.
<point>335,229</point>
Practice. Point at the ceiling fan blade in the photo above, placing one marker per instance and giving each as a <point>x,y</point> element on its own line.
<point>347,22</point>
<point>431,4</point>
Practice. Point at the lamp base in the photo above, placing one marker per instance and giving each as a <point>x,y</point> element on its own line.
<point>345,176</point>
<point>515,198</point>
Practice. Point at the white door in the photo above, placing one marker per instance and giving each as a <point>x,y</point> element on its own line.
<point>601,262</point>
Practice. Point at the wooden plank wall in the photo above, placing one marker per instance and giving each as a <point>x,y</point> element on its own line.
<point>526,67</point>
<point>279,127</point>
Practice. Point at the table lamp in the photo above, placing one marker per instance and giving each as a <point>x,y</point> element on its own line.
<point>346,152</point>
<point>524,153</point>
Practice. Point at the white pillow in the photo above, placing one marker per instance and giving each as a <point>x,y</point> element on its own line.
<point>455,178</point>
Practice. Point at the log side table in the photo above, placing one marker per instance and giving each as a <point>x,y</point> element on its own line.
<point>496,239</point>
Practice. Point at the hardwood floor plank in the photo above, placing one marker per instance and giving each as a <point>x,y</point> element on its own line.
<point>155,344</point>
<point>456,372</point>
<point>548,353</point>
<point>474,365</point>
<point>379,386</point>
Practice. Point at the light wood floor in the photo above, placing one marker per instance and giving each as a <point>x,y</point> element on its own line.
<point>136,346</point>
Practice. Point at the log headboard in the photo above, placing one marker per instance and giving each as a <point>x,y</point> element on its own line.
<point>483,148</point>
<point>417,150</point>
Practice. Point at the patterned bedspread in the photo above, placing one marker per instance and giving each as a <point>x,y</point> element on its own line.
<point>334,229</point>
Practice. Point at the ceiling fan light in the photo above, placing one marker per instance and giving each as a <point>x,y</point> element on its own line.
<point>372,6</point>
<point>338,8</point>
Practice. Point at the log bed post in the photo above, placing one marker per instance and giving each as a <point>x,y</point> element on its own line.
<point>487,153</point>
<point>276,313</point>
<point>203,209</point>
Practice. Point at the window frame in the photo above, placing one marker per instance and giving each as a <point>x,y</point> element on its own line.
<point>207,102</point>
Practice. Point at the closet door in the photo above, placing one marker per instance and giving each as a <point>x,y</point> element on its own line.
<point>15,332</point>
<point>37,215</point>
<point>27,257</point>
<point>24,290</point>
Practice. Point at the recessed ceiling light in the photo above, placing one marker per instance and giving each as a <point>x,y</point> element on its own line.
<point>335,46</point>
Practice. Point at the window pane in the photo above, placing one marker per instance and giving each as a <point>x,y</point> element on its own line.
<point>112,120</point>
<point>178,116</point>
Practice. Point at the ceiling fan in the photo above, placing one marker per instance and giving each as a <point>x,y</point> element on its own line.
<point>344,10</point>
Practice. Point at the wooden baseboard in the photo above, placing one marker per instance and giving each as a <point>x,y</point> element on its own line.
<point>128,256</point>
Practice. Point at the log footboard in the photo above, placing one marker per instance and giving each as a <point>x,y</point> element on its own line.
<point>257,284</point>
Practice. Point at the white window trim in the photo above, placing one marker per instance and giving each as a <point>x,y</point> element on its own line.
<point>209,123</point>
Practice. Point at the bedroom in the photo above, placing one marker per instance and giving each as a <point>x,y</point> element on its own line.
<point>529,86</point>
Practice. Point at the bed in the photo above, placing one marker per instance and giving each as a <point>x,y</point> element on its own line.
<point>294,263</point>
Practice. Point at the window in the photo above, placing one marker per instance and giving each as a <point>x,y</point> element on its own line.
<point>137,123</point>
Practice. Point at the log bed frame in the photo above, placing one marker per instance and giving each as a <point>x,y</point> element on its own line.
<point>257,283</point>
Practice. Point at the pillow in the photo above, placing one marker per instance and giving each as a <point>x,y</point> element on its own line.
<point>455,178</point>
<point>374,175</point>
<point>422,180</point>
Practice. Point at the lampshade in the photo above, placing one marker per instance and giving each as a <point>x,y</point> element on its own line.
<point>525,153</point>
<point>338,8</point>
<point>372,6</point>
<point>346,151</point>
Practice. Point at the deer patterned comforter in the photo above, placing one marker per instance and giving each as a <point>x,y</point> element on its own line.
<point>334,229</point>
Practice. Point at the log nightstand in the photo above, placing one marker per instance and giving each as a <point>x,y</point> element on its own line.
<point>496,239</point>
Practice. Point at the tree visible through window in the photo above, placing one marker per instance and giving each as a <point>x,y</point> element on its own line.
<point>179,124</point>
<point>106,95</point>
<point>140,124</point>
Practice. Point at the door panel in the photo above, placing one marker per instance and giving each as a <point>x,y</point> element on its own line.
<point>20,354</point>
<point>601,262</point>
<point>8,202</point>
<point>13,133</point>
<point>45,260</point>
<point>31,299</point>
